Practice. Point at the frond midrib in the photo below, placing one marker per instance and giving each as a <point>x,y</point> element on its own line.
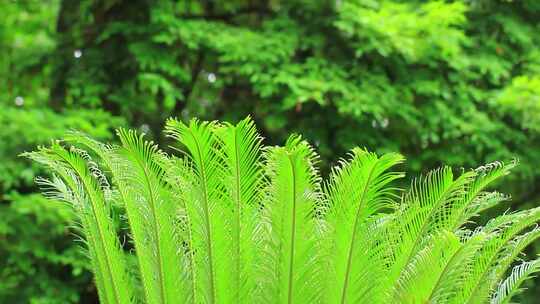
<point>353,238</point>
<point>207,218</point>
<point>238,214</point>
<point>293,230</point>
<point>155,230</point>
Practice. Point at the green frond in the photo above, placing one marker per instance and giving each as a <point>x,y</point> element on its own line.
<point>146,196</point>
<point>512,251</point>
<point>179,176</point>
<point>479,203</point>
<point>152,213</point>
<point>458,267</point>
<point>242,179</point>
<point>292,263</point>
<point>422,273</point>
<point>475,201</point>
<point>113,158</point>
<point>208,211</point>
<point>231,221</point>
<point>56,189</point>
<point>511,285</point>
<point>356,191</point>
<point>84,190</point>
<point>428,207</point>
<point>490,262</point>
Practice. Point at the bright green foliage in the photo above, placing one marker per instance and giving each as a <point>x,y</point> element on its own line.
<point>410,30</point>
<point>38,126</point>
<point>87,194</point>
<point>453,82</point>
<point>519,274</point>
<point>358,191</point>
<point>231,221</point>
<point>522,99</point>
<point>292,240</point>
<point>425,78</point>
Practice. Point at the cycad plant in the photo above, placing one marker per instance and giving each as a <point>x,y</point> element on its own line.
<point>227,220</point>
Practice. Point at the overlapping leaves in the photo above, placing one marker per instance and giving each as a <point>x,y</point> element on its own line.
<point>231,221</point>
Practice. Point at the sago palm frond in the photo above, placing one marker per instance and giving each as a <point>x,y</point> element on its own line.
<point>496,255</point>
<point>292,237</point>
<point>457,268</point>
<point>210,218</point>
<point>510,286</point>
<point>357,190</point>
<point>242,177</point>
<point>424,270</point>
<point>151,211</point>
<point>476,199</point>
<point>84,192</point>
<point>427,208</point>
<point>228,220</point>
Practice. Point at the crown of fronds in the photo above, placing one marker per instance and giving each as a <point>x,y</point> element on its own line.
<point>231,221</point>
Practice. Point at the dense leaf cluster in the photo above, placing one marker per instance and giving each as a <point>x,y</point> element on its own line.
<point>453,82</point>
<point>232,221</point>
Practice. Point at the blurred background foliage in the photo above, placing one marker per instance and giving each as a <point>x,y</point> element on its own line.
<point>454,82</point>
